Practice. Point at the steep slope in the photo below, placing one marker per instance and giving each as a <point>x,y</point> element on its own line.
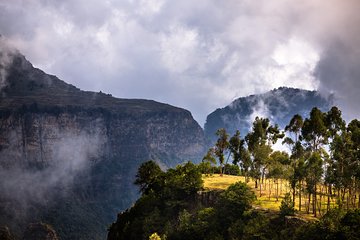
<point>279,105</point>
<point>69,157</point>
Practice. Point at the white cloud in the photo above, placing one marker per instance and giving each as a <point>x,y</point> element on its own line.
<point>194,55</point>
<point>179,48</point>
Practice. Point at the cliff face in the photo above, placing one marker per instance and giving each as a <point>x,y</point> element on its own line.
<point>69,157</point>
<point>279,105</point>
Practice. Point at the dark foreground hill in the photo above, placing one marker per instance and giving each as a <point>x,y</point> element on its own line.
<point>69,157</point>
<point>175,207</point>
<point>279,105</point>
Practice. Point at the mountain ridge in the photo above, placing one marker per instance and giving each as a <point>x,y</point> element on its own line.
<point>279,105</point>
<point>69,157</point>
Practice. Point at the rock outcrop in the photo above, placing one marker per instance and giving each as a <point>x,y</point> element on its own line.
<point>69,157</point>
<point>40,231</point>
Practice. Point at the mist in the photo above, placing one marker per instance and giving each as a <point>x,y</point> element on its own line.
<point>36,183</point>
<point>6,58</point>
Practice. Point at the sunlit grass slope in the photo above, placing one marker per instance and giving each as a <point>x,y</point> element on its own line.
<point>216,181</point>
<point>271,193</point>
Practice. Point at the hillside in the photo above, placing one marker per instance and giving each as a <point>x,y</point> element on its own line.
<point>69,157</point>
<point>279,105</point>
<point>177,205</point>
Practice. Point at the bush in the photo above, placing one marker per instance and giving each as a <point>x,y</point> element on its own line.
<point>234,201</point>
<point>287,206</point>
<point>231,169</point>
<point>154,236</point>
<point>206,168</point>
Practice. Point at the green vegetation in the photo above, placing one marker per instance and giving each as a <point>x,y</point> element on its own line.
<point>176,205</point>
<point>322,169</point>
<point>269,200</point>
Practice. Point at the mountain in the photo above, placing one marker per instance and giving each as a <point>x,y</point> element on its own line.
<point>279,105</point>
<point>68,157</point>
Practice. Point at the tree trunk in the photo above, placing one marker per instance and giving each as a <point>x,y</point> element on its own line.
<point>314,202</point>
<point>328,199</point>
<point>342,196</point>
<point>293,189</point>
<point>277,189</point>
<point>262,176</point>
<point>300,189</point>
<point>269,189</point>
<point>308,205</point>
<point>321,194</point>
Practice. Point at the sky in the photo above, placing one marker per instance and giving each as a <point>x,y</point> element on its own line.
<point>198,55</point>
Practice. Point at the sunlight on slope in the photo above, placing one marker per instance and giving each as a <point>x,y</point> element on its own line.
<point>269,191</point>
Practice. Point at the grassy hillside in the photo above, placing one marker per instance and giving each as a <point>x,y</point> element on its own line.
<point>271,193</point>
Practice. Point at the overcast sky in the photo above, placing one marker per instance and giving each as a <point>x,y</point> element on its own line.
<point>198,55</point>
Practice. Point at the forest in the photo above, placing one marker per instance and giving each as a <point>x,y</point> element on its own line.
<point>321,169</point>
<point>322,165</point>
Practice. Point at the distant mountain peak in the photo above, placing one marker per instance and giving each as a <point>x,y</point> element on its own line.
<point>279,105</point>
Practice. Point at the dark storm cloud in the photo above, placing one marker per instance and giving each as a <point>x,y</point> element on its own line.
<point>338,68</point>
<point>194,55</point>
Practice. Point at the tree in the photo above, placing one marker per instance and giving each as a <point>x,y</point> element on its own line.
<point>240,154</point>
<point>245,164</point>
<point>147,176</point>
<point>259,142</point>
<point>353,163</point>
<point>287,206</point>
<point>221,146</point>
<point>236,147</point>
<point>298,177</point>
<point>314,171</point>
<point>294,128</point>
<point>339,152</point>
<point>234,201</point>
<point>278,168</point>
<point>315,133</point>
<point>314,130</point>
<point>182,182</point>
<point>207,161</point>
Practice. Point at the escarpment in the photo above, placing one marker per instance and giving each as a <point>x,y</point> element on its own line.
<point>69,157</point>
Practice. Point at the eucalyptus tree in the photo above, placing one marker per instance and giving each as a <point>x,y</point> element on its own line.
<point>314,130</point>
<point>240,155</point>
<point>221,147</point>
<point>338,145</point>
<point>245,164</point>
<point>278,169</point>
<point>208,160</point>
<point>315,134</point>
<point>297,152</point>
<point>259,142</point>
<point>299,176</point>
<point>314,171</point>
<point>354,132</point>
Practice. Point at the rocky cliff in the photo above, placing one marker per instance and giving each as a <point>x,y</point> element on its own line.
<point>69,157</point>
<point>279,105</point>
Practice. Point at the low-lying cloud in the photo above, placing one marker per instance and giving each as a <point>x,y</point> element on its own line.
<point>69,156</point>
<point>194,55</point>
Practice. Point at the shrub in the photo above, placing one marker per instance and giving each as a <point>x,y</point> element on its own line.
<point>287,206</point>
